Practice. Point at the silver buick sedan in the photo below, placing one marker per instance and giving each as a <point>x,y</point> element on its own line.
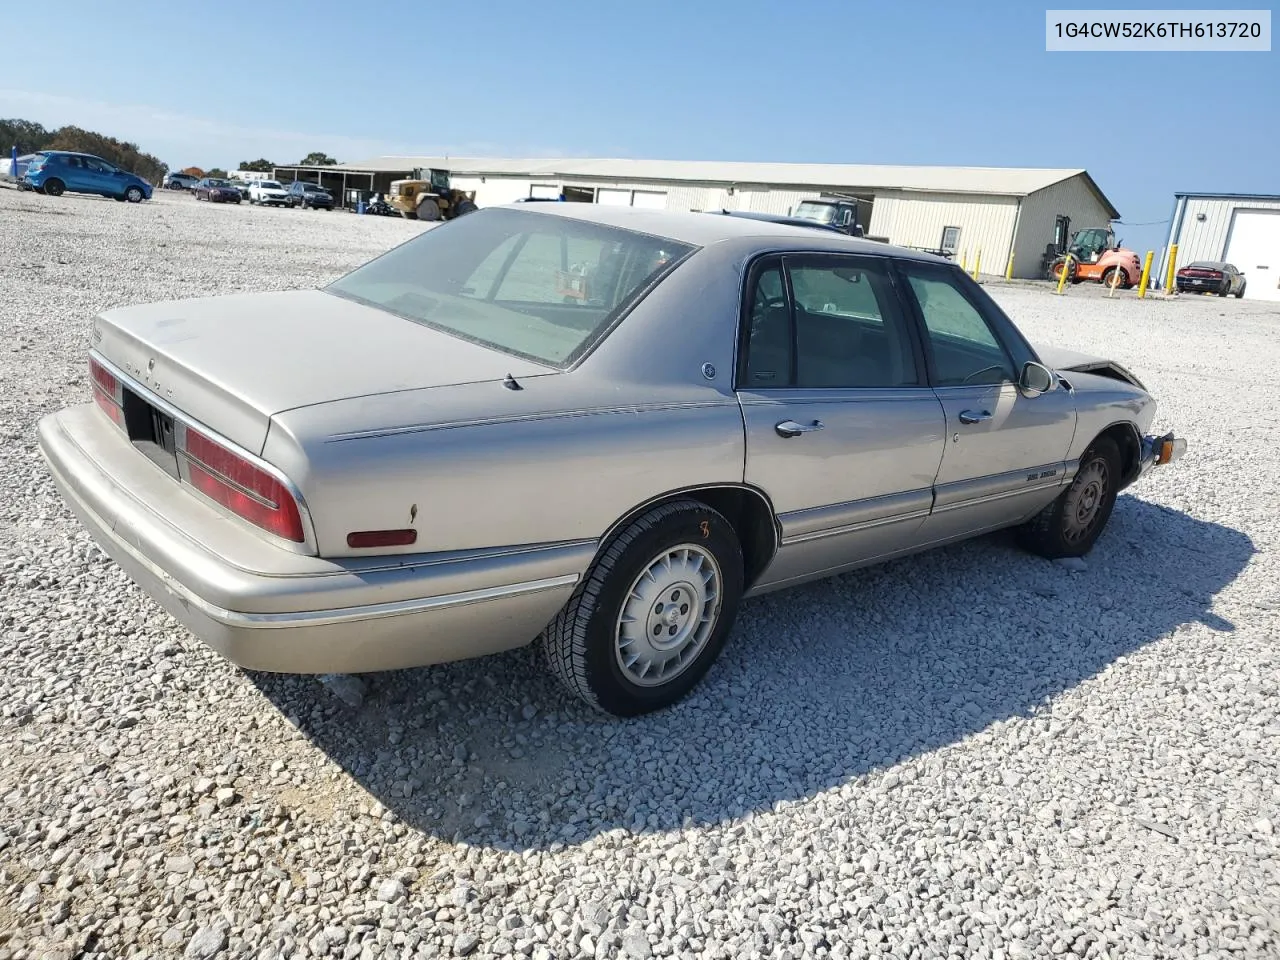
<point>592,427</point>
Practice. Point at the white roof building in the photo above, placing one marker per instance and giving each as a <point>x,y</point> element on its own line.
<point>974,211</point>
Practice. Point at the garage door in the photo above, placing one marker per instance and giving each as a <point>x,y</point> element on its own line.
<point>649,199</point>
<point>613,198</point>
<point>1254,247</point>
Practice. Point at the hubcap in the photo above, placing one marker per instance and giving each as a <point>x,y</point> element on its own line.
<point>1085,499</point>
<point>668,615</point>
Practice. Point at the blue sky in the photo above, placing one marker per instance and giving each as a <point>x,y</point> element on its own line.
<point>805,80</point>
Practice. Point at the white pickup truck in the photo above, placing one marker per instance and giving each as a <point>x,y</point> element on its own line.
<point>268,192</point>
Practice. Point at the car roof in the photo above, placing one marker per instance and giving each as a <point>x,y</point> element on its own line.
<point>776,218</point>
<point>703,230</point>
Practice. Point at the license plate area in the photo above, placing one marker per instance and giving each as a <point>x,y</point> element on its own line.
<point>152,432</point>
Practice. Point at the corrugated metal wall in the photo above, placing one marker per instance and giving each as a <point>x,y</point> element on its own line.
<point>917,220</point>
<point>1207,240</point>
<point>688,198</point>
<point>908,219</point>
<point>1040,211</point>
<point>495,190</point>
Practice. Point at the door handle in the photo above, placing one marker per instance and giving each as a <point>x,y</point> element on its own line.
<point>789,428</point>
<point>974,416</point>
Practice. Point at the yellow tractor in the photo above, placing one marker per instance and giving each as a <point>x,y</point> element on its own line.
<point>430,197</point>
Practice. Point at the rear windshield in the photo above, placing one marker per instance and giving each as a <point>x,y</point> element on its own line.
<point>542,287</point>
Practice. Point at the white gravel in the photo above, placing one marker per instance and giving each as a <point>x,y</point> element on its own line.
<point>972,753</point>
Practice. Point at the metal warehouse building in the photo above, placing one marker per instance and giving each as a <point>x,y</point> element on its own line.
<point>1237,228</point>
<point>964,210</point>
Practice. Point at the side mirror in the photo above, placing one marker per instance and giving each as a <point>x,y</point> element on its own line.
<point>1036,379</point>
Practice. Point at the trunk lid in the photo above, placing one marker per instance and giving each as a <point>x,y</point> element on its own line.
<point>232,362</point>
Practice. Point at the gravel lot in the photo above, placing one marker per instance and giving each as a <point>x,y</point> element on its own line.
<point>970,753</point>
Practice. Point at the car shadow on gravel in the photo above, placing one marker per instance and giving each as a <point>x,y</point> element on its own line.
<point>819,685</point>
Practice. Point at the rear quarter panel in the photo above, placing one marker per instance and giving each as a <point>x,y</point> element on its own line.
<point>488,467</point>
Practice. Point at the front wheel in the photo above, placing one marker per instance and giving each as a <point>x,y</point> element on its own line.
<point>1239,295</point>
<point>428,210</point>
<point>1117,275</point>
<point>133,194</point>
<point>1071,525</point>
<point>652,613</point>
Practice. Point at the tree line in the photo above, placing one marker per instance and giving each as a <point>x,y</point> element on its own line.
<point>30,137</point>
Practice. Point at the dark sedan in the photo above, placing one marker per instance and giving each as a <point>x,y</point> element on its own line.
<point>216,190</point>
<point>1211,276</point>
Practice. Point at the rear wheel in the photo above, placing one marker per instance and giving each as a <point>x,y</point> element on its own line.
<point>54,187</point>
<point>1071,525</point>
<point>1056,268</point>
<point>428,210</point>
<point>133,194</point>
<point>653,612</point>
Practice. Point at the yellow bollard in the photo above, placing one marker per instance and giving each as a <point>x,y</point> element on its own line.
<point>1169,286</point>
<point>1062,277</point>
<point>977,263</point>
<point>1146,275</point>
<point>964,260</point>
<point>1008,270</point>
<point>1115,282</point>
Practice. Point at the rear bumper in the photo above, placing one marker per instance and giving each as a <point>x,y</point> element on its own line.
<point>1200,283</point>
<point>266,608</point>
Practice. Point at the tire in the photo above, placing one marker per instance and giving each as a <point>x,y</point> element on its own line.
<point>466,206</point>
<point>133,194</point>
<point>586,645</point>
<point>54,187</point>
<point>1240,295</point>
<point>429,210</point>
<point>1110,272</point>
<point>1061,529</point>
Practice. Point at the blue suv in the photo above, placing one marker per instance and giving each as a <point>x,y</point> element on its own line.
<point>55,172</point>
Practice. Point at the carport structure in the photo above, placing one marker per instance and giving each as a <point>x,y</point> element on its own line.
<point>348,184</point>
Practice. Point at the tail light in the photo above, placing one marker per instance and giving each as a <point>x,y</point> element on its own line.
<point>243,488</point>
<point>107,392</point>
